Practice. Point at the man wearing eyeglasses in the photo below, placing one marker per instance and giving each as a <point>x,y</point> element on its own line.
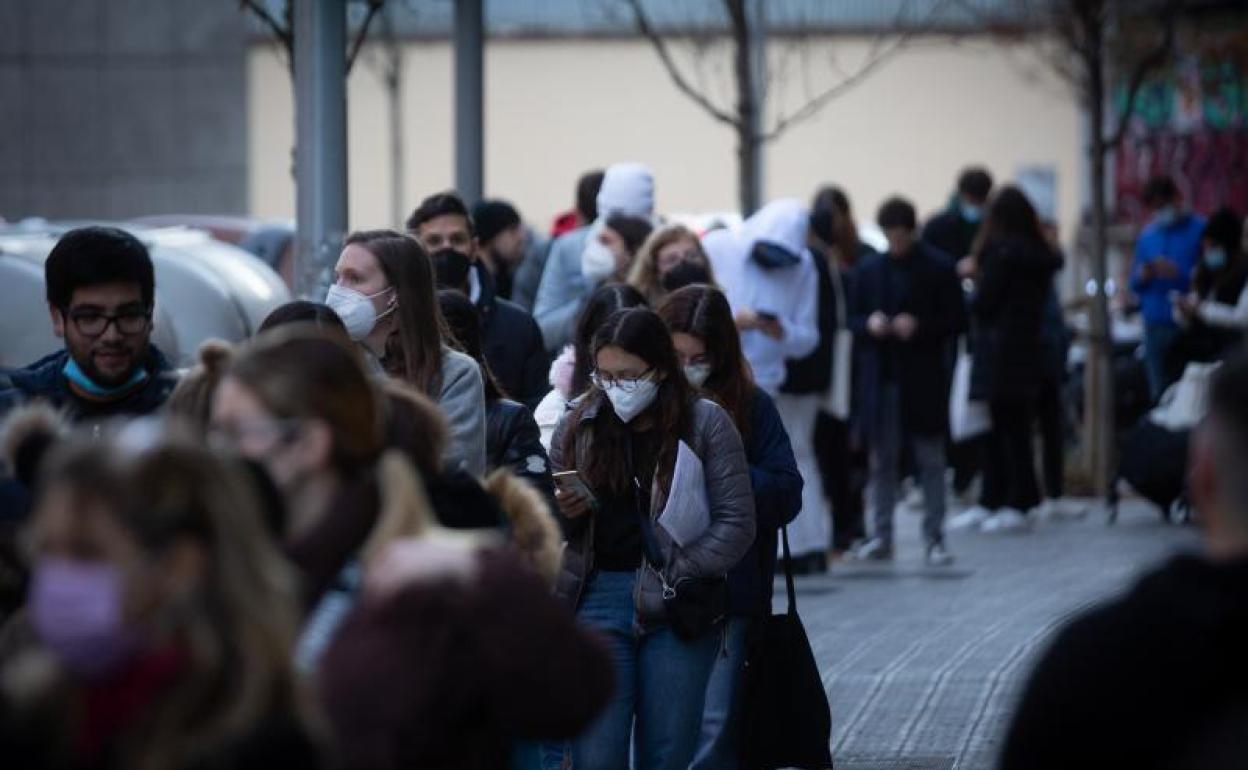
<point>100,289</point>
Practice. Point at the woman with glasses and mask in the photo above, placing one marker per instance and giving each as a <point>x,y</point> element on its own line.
<point>709,349</point>
<point>385,294</point>
<point>161,617</point>
<point>649,576</point>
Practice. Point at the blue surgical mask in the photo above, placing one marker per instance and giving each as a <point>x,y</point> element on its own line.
<point>74,373</point>
<point>1215,258</point>
<point>972,213</point>
<point>1167,215</point>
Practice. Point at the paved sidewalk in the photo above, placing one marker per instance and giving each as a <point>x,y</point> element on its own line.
<point>923,665</point>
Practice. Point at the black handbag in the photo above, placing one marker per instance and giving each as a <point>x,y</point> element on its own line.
<point>788,722</point>
<point>694,605</point>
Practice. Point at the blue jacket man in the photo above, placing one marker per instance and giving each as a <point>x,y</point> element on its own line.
<point>1166,253</point>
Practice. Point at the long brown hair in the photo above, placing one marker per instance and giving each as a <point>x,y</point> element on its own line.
<point>1010,215</point>
<point>703,312</point>
<point>414,351</point>
<point>832,224</point>
<point>238,625</point>
<point>641,332</point>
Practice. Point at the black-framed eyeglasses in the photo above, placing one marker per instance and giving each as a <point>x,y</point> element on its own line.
<point>627,385</point>
<point>93,323</point>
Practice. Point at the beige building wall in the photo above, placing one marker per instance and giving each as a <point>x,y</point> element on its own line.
<point>557,107</point>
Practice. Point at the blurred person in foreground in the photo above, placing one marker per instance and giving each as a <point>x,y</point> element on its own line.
<point>405,639</point>
<point>905,310</point>
<point>1166,252</point>
<point>1156,678</point>
<point>159,623</point>
<point>510,338</point>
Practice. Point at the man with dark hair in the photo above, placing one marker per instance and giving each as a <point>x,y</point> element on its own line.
<point>513,341</point>
<point>1166,252</point>
<point>1156,678</point>
<point>905,308</point>
<point>953,230</point>
<point>512,252</point>
<point>101,293</point>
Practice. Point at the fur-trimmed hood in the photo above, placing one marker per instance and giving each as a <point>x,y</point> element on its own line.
<point>26,434</point>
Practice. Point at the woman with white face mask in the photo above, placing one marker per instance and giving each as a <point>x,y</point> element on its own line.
<point>709,349</point>
<point>649,575</point>
<point>385,293</point>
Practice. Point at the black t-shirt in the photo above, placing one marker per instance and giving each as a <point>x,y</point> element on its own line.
<point>617,527</point>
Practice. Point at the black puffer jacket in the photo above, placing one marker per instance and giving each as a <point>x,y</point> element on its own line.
<point>1016,278</point>
<point>513,441</point>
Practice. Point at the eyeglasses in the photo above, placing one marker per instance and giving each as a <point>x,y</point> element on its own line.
<point>626,384</point>
<point>94,323</point>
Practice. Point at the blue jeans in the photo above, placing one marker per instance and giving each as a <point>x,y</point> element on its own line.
<point>720,745</point>
<point>660,685</point>
<point>1159,339</point>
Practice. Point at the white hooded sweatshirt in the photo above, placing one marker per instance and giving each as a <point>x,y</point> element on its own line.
<point>791,293</point>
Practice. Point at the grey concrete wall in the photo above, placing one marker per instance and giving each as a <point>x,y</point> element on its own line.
<point>118,108</point>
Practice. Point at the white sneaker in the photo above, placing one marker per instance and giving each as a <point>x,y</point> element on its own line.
<point>971,518</point>
<point>1006,520</point>
<point>938,556</point>
<point>1064,508</point>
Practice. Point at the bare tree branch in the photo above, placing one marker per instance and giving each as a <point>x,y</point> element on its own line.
<point>373,7</point>
<point>283,33</point>
<point>647,31</point>
<point>878,55</point>
<point>1155,59</point>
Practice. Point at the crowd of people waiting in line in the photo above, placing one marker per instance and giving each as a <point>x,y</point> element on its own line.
<point>499,503</point>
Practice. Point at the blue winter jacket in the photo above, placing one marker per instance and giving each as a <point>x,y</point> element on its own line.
<point>777,500</point>
<point>1180,243</point>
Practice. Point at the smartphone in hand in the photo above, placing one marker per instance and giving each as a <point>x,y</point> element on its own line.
<point>571,481</point>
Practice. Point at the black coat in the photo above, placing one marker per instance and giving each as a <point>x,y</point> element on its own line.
<point>1154,679</point>
<point>44,380</point>
<point>813,374</point>
<point>1016,279</point>
<point>513,346</point>
<point>951,233</point>
<point>513,441</point>
<point>920,366</point>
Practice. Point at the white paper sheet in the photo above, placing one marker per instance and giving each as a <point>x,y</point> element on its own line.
<point>687,514</point>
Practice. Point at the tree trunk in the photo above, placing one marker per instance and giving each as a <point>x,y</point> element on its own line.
<point>747,124</point>
<point>1098,384</point>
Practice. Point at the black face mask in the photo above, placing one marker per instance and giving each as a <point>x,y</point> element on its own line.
<point>770,256</point>
<point>450,268</point>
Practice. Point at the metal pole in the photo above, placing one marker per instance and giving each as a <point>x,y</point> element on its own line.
<point>320,141</point>
<point>469,99</point>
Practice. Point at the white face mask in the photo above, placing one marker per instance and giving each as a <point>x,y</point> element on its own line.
<point>697,374</point>
<point>629,403</point>
<point>597,261</point>
<point>356,309</point>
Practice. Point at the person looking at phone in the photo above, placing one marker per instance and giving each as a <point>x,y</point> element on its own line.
<point>1166,253</point>
<point>905,308</point>
<point>623,438</point>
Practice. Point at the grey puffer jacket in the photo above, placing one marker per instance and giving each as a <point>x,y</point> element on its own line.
<point>714,439</point>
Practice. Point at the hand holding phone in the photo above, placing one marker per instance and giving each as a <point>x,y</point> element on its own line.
<point>572,494</point>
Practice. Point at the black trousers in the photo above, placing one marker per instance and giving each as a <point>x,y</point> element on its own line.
<point>843,470</point>
<point>1052,439</point>
<point>1009,462</point>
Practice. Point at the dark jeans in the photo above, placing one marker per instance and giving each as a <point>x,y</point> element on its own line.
<point>843,470</point>
<point>966,459</point>
<point>1159,339</point>
<point>1009,463</point>
<point>1052,439</point>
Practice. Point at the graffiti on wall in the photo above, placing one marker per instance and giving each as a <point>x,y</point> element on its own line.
<point>1192,124</point>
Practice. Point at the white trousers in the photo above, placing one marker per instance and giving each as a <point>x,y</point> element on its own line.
<point>811,531</point>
